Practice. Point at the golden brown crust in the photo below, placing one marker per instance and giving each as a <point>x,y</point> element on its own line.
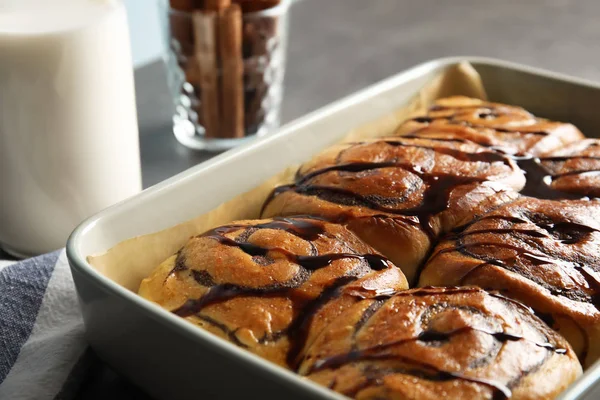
<point>509,128</point>
<point>398,194</point>
<point>541,252</point>
<point>259,284</point>
<point>436,343</point>
<point>574,169</point>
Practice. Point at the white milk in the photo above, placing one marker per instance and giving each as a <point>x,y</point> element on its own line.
<point>68,127</point>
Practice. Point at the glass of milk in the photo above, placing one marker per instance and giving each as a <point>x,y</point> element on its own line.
<point>68,126</point>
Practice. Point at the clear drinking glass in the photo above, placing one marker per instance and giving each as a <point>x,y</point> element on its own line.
<point>264,58</point>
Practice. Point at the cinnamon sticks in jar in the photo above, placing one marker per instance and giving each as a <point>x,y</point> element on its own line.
<point>221,41</point>
<point>232,67</point>
<point>205,39</point>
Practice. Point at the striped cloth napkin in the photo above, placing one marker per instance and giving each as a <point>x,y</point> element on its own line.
<point>42,343</point>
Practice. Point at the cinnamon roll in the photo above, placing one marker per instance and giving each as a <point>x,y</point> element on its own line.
<point>398,194</point>
<point>508,128</point>
<point>259,284</point>
<point>570,172</point>
<point>438,343</point>
<point>543,253</point>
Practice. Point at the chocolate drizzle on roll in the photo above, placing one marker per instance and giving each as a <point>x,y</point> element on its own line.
<point>572,175</point>
<point>539,177</point>
<point>305,229</point>
<point>221,293</point>
<point>452,122</point>
<point>239,242</point>
<point>563,231</point>
<point>543,245</point>
<point>426,370</point>
<point>439,185</point>
<point>375,359</point>
<point>483,115</point>
<point>535,143</point>
<point>300,326</point>
<point>539,181</point>
<point>374,353</point>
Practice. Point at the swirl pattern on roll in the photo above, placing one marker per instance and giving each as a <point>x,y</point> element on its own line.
<point>572,172</point>
<point>398,194</point>
<point>510,129</point>
<point>541,252</point>
<point>436,343</point>
<point>259,284</point>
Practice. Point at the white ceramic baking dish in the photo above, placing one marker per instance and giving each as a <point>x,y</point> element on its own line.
<point>172,359</point>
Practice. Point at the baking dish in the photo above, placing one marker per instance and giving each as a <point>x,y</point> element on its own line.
<point>172,359</point>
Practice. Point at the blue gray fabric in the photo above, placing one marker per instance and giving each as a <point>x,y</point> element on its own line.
<point>22,288</point>
<point>41,330</point>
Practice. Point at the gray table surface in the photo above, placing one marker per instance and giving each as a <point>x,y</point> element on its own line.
<point>339,46</point>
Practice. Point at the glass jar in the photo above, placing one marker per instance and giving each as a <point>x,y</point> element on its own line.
<point>264,45</point>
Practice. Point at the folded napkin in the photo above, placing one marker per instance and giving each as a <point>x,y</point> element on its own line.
<point>42,344</point>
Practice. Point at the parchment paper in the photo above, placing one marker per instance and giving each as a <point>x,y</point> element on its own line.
<point>130,261</point>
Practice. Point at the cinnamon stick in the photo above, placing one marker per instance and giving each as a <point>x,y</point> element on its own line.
<point>183,5</point>
<point>216,5</point>
<point>183,33</point>
<point>232,67</point>
<point>257,5</point>
<point>205,29</point>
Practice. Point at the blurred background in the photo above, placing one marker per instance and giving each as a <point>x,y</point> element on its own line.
<point>337,47</point>
<point>145,31</point>
<point>531,31</point>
